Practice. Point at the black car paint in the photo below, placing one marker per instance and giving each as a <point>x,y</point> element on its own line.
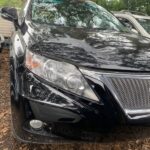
<point>100,50</point>
<point>92,48</point>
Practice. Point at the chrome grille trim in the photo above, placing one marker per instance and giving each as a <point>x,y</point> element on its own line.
<point>98,74</point>
<point>138,112</point>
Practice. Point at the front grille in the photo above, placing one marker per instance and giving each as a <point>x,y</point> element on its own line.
<point>133,93</point>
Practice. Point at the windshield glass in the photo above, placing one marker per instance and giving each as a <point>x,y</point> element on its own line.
<point>145,24</point>
<point>74,13</point>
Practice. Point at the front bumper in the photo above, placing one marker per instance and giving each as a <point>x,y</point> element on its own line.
<point>66,116</point>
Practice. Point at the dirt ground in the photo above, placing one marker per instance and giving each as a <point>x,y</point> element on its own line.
<point>126,138</point>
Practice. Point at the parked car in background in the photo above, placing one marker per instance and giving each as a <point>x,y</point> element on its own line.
<point>2,42</point>
<point>136,22</point>
<point>6,28</point>
<point>75,70</point>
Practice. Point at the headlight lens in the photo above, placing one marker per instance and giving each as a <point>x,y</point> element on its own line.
<point>61,74</point>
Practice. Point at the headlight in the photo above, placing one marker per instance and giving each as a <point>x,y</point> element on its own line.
<point>60,74</point>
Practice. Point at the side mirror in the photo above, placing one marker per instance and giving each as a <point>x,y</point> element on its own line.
<point>10,14</point>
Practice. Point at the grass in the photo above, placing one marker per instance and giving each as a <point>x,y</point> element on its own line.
<point>11,3</point>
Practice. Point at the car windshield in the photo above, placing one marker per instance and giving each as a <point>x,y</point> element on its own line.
<point>74,13</point>
<point>145,24</point>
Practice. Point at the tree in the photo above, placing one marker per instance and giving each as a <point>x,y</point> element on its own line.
<point>134,5</point>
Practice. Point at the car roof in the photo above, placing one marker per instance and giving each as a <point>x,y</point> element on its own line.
<point>137,16</point>
<point>141,17</point>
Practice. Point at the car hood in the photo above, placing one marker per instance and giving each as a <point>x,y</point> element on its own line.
<point>92,48</point>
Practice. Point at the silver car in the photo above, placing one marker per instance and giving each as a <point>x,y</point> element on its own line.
<point>138,23</point>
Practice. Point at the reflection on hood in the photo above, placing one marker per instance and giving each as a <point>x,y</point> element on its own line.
<point>92,48</point>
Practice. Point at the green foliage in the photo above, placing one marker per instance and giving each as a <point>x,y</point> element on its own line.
<point>134,5</point>
<point>11,3</point>
<point>111,5</point>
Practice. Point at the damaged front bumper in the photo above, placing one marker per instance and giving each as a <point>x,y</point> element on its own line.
<point>67,117</point>
<point>64,116</point>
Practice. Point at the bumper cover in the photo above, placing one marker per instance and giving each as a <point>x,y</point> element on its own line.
<point>66,116</point>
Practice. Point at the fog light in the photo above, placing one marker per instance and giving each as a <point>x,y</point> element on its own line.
<point>36,124</point>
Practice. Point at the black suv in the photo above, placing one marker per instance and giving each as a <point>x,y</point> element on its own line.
<point>75,69</point>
